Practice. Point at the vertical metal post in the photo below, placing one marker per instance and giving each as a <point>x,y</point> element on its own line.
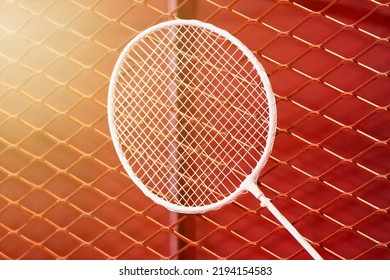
<point>187,10</point>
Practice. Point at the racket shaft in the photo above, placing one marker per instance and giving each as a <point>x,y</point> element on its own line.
<point>267,203</point>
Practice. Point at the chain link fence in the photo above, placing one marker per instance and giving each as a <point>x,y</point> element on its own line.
<point>64,194</point>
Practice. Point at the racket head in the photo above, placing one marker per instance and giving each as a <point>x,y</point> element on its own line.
<point>191,114</point>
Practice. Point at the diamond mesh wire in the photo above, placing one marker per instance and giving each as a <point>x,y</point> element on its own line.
<point>64,194</point>
<point>190,114</point>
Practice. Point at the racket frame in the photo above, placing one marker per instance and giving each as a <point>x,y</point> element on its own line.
<point>250,183</point>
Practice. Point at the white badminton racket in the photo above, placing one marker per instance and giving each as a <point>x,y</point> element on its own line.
<point>193,118</point>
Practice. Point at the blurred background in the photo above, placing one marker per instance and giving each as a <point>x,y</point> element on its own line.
<point>64,194</point>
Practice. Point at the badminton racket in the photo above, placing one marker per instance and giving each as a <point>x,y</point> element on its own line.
<point>193,118</point>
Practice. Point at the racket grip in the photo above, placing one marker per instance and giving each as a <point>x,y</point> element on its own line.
<point>265,202</point>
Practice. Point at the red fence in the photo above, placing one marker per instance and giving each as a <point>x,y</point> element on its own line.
<point>64,194</point>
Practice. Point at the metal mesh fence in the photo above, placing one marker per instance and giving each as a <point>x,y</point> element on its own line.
<point>64,194</point>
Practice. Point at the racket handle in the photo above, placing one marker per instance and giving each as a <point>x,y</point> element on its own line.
<point>265,202</point>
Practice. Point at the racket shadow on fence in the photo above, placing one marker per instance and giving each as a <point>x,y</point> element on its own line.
<point>192,117</point>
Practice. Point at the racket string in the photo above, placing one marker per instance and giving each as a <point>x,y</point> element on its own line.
<point>187,115</point>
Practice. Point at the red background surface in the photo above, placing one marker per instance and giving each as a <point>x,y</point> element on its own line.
<point>64,194</point>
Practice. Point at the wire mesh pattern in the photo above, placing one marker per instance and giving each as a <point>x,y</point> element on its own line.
<point>64,194</point>
<point>190,114</point>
